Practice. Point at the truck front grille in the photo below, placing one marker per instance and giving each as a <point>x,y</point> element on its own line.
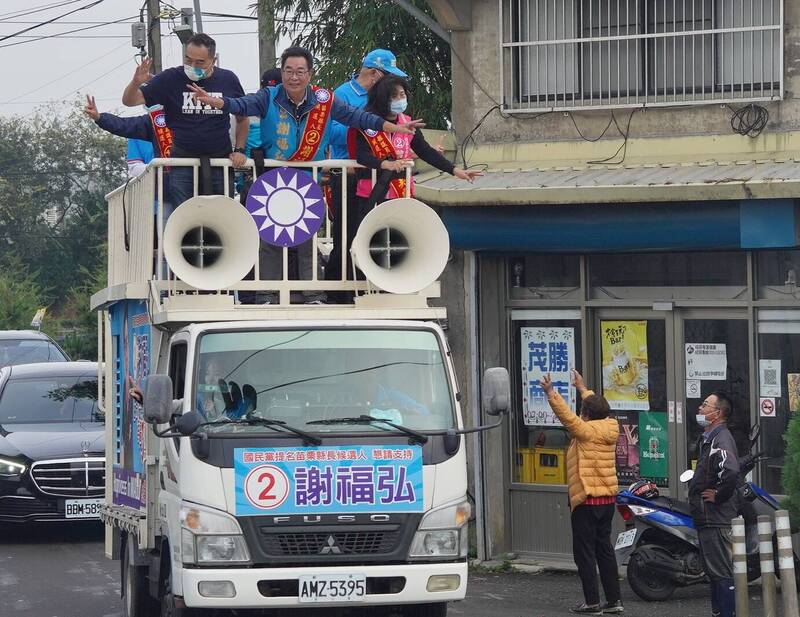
<point>334,543</point>
<point>78,477</point>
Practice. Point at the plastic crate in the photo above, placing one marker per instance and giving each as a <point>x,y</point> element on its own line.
<point>550,465</point>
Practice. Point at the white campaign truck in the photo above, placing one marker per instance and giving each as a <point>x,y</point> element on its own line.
<point>285,455</point>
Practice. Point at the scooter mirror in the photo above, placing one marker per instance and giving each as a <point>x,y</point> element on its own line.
<point>687,475</point>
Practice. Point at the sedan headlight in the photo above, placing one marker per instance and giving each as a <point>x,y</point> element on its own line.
<point>11,469</point>
<point>210,536</point>
<point>442,533</point>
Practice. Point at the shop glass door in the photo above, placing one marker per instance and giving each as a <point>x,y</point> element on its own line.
<point>635,359</point>
<point>713,354</point>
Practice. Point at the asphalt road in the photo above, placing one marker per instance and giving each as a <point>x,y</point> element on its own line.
<point>60,571</point>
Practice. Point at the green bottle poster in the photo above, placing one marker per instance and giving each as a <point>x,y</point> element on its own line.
<point>653,445</point>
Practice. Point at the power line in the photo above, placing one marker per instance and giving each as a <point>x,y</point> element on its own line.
<point>80,68</point>
<point>57,34</point>
<point>38,9</point>
<point>50,21</point>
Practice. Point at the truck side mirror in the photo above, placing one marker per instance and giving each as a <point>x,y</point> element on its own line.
<point>496,391</point>
<point>157,391</point>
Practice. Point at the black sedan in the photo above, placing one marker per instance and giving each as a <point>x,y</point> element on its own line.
<point>52,461</point>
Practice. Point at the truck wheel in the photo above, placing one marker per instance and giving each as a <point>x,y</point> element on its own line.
<point>136,600</point>
<point>436,609</point>
<point>169,607</point>
<point>647,584</point>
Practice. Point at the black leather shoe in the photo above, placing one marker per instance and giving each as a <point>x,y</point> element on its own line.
<point>613,608</point>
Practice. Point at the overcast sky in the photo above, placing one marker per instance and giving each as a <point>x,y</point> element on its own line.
<point>100,60</point>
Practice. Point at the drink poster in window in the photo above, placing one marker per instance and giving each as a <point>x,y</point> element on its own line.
<point>625,369</point>
<point>546,350</point>
<point>627,456</point>
<point>653,446</point>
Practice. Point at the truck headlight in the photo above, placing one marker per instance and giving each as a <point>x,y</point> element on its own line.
<point>11,469</point>
<point>442,533</point>
<point>210,536</point>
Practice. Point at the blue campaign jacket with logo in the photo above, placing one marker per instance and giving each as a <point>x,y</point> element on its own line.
<point>283,123</point>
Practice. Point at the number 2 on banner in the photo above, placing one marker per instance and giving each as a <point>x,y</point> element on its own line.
<point>266,487</point>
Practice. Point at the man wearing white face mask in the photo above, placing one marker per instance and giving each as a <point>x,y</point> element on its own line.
<point>713,499</point>
<point>198,130</point>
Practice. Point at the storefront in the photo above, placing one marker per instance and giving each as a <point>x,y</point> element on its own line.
<point>659,305</point>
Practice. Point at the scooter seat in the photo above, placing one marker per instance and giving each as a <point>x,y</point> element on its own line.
<point>681,507</point>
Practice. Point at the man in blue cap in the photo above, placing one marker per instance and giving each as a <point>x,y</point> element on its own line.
<point>375,65</point>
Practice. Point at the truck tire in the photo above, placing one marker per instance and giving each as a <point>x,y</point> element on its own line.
<point>136,600</point>
<point>435,609</point>
<point>169,607</point>
<point>648,585</point>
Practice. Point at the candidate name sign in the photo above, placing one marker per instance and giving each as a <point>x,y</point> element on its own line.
<point>328,480</point>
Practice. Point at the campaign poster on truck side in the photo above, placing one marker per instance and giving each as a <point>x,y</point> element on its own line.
<point>130,327</point>
<point>546,350</point>
<point>328,480</point>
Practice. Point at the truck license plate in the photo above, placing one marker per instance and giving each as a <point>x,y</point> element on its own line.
<point>625,539</point>
<point>83,508</point>
<point>333,588</point>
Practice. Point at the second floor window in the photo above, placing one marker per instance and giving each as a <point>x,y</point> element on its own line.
<point>573,54</point>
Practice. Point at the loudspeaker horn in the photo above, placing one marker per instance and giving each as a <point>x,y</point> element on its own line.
<point>211,242</point>
<point>401,246</point>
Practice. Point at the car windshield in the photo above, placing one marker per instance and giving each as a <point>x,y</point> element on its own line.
<point>302,376</point>
<point>28,351</point>
<point>50,399</point>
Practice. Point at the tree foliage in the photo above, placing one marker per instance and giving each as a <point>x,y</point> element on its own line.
<point>62,164</point>
<point>340,33</point>
<point>791,469</point>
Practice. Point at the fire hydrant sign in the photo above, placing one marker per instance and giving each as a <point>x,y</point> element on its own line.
<point>328,480</point>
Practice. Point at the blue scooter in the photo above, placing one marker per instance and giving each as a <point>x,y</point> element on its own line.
<point>660,546</point>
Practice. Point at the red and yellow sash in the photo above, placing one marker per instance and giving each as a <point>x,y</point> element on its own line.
<point>382,148</point>
<point>315,126</point>
<point>161,131</point>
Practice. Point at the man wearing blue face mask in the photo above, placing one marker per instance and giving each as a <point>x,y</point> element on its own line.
<point>199,131</point>
<point>713,499</point>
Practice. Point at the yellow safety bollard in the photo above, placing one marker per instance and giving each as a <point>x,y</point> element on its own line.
<point>786,563</point>
<point>767,565</point>
<point>740,567</point>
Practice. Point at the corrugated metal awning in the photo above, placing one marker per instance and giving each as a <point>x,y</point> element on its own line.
<point>648,182</point>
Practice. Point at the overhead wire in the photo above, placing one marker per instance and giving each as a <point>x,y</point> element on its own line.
<point>38,9</point>
<point>60,34</point>
<point>50,21</point>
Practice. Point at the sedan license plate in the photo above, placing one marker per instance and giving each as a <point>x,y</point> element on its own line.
<point>332,588</point>
<point>625,539</point>
<point>82,508</point>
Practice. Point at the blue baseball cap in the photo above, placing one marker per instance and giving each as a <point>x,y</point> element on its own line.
<point>384,60</point>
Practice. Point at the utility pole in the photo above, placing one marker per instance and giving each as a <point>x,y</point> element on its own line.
<point>198,16</point>
<point>154,34</point>
<point>266,35</point>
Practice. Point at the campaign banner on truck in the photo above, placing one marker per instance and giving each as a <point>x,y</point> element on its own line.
<point>328,480</point>
<point>546,350</point>
<point>625,368</point>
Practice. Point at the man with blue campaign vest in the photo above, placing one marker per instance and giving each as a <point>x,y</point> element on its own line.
<point>376,64</point>
<point>295,126</point>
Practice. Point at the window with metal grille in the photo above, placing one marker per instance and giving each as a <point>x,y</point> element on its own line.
<point>574,54</point>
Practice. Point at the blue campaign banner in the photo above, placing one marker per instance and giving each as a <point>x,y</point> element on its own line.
<point>328,480</point>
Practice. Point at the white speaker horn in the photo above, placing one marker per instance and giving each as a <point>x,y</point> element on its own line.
<point>401,246</point>
<point>211,242</point>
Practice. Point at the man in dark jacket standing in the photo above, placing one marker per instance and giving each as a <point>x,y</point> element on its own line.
<point>713,499</point>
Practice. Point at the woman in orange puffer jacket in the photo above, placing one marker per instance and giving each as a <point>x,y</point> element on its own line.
<point>592,484</point>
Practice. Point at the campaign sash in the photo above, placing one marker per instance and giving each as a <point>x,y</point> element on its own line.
<point>315,126</point>
<point>161,131</point>
<point>382,148</point>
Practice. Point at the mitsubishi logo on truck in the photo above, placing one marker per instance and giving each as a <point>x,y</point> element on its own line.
<point>331,549</point>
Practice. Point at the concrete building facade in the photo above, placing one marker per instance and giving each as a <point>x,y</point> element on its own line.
<point>623,227</point>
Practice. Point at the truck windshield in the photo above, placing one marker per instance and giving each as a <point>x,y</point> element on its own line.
<point>301,376</point>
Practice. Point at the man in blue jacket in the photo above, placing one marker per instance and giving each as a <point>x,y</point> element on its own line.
<point>295,126</point>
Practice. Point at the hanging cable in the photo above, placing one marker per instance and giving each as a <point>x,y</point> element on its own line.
<point>749,120</point>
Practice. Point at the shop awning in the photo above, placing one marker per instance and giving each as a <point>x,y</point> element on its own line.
<point>514,184</point>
